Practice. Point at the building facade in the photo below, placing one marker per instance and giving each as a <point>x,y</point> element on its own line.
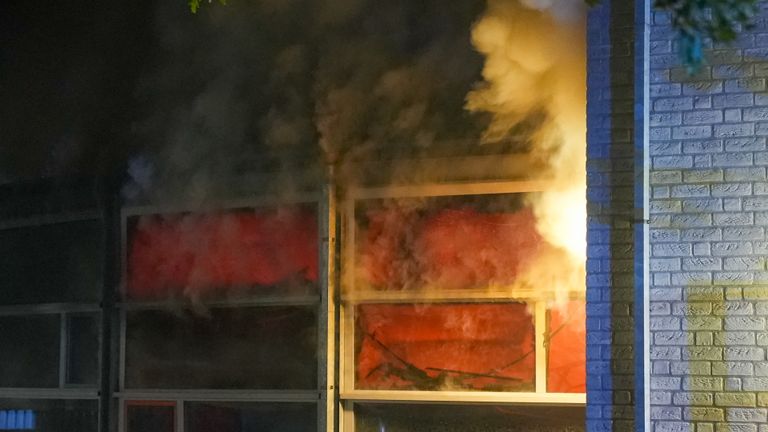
<point>108,339</point>
<point>677,231</point>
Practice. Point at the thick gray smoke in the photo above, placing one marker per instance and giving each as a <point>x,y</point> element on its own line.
<point>257,86</point>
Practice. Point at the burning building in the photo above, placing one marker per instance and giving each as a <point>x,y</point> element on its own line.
<point>386,249</point>
<point>499,215</point>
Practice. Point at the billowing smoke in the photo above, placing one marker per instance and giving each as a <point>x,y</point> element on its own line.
<point>275,86</point>
<point>232,91</point>
<point>536,64</point>
<point>363,80</point>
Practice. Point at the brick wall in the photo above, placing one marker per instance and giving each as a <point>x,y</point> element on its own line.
<point>611,249</point>
<point>709,216</point>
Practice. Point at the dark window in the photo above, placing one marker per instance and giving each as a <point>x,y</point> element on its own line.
<point>82,349</point>
<point>151,416</point>
<point>49,415</point>
<point>455,418</point>
<point>30,351</point>
<point>222,348</point>
<point>51,263</point>
<point>241,417</point>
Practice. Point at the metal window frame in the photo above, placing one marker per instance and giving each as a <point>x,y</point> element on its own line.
<point>351,297</point>
<point>347,407</point>
<point>323,395</point>
<point>64,310</point>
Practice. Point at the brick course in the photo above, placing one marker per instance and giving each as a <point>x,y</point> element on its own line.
<point>610,253</point>
<point>708,235</point>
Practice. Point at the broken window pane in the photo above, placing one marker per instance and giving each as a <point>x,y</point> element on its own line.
<point>250,417</point>
<point>488,347</point>
<point>30,351</point>
<point>457,418</point>
<point>269,347</point>
<point>54,263</point>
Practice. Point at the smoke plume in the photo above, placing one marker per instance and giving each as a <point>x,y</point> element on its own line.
<point>535,63</point>
<point>362,80</point>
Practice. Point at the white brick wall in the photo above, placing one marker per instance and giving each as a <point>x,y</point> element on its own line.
<point>709,206</point>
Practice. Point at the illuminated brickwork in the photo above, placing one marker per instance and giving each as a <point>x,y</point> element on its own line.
<point>709,297</point>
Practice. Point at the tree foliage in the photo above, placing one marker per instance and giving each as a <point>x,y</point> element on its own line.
<point>194,5</point>
<point>698,20</point>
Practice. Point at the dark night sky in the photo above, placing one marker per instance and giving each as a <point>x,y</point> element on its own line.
<point>85,86</point>
<point>67,72</point>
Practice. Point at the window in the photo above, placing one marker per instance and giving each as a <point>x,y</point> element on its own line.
<point>30,346</point>
<point>49,415</point>
<point>50,320</point>
<point>249,417</point>
<point>264,347</point>
<point>51,263</point>
<point>443,305</point>
<point>155,416</point>
<point>379,417</point>
<point>222,319</point>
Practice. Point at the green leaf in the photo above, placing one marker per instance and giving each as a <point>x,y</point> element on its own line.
<point>194,5</point>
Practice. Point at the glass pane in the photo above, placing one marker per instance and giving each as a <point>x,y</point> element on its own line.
<point>82,349</point>
<point>30,351</point>
<point>223,348</point>
<point>444,243</point>
<point>234,254</point>
<point>486,347</point>
<point>241,417</point>
<point>567,360</point>
<point>151,416</point>
<point>51,263</point>
<point>456,418</point>
<point>49,415</point>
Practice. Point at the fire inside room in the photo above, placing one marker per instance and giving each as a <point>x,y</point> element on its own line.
<point>421,268</point>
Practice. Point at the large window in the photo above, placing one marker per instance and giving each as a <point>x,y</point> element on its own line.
<point>50,321</point>
<point>231,319</point>
<point>440,307</point>
<point>223,319</point>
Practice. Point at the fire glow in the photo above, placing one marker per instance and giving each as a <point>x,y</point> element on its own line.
<point>534,64</point>
<point>450,249</point>
<point>221,253</point>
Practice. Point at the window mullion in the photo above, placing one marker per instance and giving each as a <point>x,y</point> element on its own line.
<point>540,327</point>
<point>179,423</point>
<point>63,344</point>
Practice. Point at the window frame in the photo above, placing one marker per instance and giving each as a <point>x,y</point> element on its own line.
<point>351,297</point>
<point>322,395</point>
<point>64,310</point>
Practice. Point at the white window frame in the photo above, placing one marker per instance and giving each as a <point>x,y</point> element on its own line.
<point>351,297</point>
